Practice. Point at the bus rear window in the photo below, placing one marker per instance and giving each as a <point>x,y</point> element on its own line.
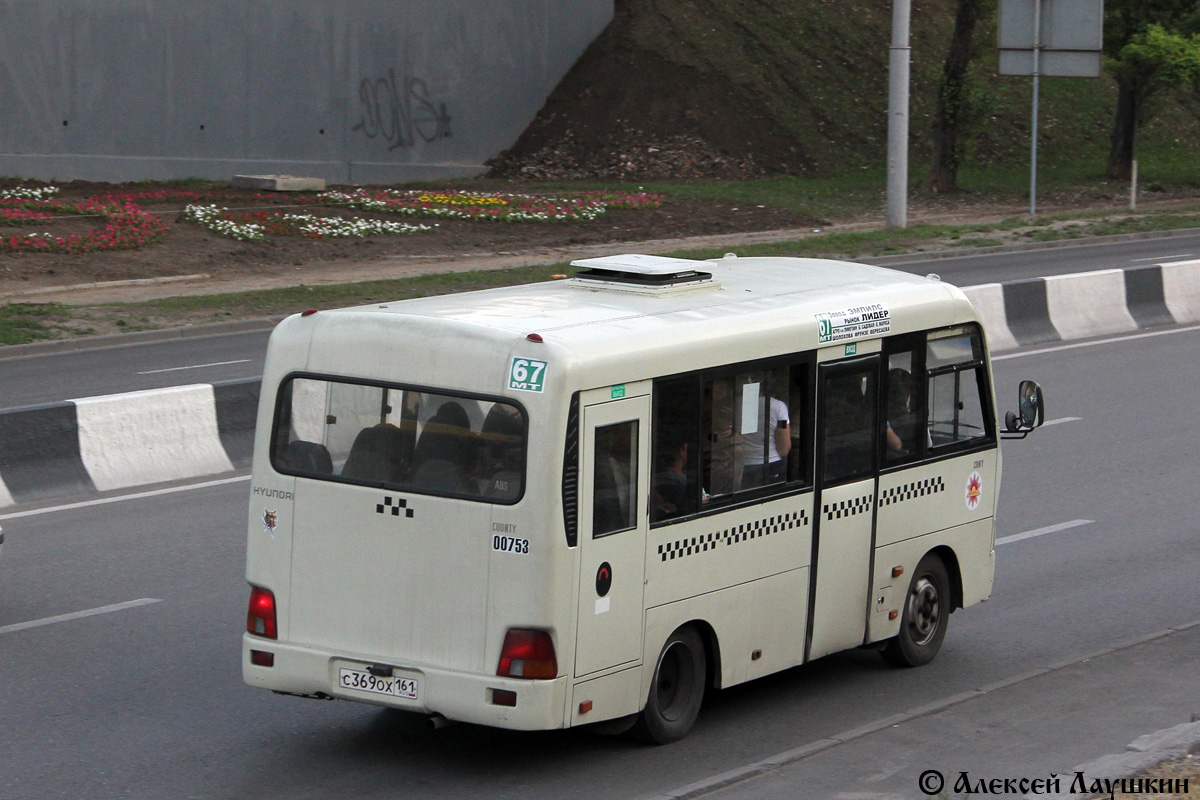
<point>400,438</point>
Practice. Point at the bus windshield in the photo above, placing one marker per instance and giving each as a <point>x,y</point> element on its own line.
<point>400,438</point>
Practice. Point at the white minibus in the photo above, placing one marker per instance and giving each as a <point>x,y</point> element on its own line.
<point>587,501</point>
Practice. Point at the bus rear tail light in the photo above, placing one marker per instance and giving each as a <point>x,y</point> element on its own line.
<point>260,619</point>
<point>527,654</point>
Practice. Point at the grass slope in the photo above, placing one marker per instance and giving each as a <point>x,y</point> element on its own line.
<point>800,87</point>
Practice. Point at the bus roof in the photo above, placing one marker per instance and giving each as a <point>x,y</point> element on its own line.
<point>740,287</point>
<point>665,310</point>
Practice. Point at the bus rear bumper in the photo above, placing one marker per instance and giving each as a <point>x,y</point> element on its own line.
<point>456,695</point>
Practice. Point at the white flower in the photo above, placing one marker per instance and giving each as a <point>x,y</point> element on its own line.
<point>28,193</point>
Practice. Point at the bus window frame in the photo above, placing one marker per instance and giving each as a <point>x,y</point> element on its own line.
<point>979,363</point>
<point>282,392</point>
<point>852,364</point>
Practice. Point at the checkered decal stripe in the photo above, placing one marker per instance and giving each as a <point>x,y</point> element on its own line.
<point>692,545</point>
<point>909,491</point>
<point>393,507</point>
<point>847,508</point>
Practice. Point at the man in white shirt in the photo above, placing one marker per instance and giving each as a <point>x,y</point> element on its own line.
<point>778,445</point>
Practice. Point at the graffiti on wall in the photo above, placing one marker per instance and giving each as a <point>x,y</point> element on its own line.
<point>400,111</point>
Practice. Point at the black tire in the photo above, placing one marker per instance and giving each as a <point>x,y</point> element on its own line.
<point>676,691</point>
<point>925,616</point>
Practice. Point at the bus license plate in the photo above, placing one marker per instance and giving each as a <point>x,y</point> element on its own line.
<point>363,681</point>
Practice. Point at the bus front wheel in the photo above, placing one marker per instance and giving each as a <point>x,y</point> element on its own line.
<point>923,621</point>
<point>676,691</point>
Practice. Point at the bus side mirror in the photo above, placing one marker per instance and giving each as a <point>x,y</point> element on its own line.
<point>1032,410</point>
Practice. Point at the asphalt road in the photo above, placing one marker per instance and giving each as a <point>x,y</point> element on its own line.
<point>146,701</point>
<point>62,376</point>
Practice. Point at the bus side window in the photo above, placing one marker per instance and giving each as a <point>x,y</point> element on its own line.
<point>614,496</point>
<point>849,422</point>
<point>955,388</point>
<point>674,491</point>
<point>717,435</point>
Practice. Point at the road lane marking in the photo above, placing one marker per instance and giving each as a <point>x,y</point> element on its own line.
<point>91,612</point>
<point>136,496</point>
<point>1112,340</point>
<point>1160,258</point>
<point>1061,420</point>
<point>195,366</point>
<point>1062,526</point>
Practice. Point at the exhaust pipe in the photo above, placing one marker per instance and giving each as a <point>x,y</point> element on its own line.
<point>436,722</point>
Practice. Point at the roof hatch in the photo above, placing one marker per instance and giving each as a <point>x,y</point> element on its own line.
<point>644,274</point>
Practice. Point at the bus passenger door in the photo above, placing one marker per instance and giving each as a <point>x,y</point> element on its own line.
<point>613,524</point>
<point>844,516</point>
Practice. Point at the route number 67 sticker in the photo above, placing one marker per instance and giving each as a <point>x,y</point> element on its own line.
<point>527,375</point>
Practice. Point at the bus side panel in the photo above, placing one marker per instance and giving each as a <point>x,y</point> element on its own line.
<point>726,612</point>
<point>972,547</point>
<point>778,616</point>
<point>928,497</point>
<point>608,697</point>
<point>712,552</point>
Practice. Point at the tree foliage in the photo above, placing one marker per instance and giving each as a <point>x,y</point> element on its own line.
<point>1151,46</point>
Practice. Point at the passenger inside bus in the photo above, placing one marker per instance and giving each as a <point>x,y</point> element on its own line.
<point>674,488</point>
<point>445,456</point>
<point>771,439</point>
<point>376,455</point>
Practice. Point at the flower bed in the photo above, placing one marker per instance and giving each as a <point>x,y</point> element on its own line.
<point>254,226</point>
<point>125,225</point>
<point>490,206</point>
<point>22,216</point>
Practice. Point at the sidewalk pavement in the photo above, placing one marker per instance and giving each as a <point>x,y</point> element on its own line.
<point>1088,715</point>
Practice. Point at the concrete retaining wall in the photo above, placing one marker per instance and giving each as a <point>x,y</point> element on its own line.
<point>118,441</point>
<point>353,91</point>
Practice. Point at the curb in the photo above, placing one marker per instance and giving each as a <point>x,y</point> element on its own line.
<point>1142,754</point>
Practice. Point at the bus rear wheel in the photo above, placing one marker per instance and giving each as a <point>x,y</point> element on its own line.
<point>925,616</point>
<point>676,691</point>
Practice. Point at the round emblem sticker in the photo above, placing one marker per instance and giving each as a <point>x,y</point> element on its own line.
<point>603,579</point>
<point>974,491</point>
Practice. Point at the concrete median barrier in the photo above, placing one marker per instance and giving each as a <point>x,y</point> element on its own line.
<point>97,444</point>
<point>1088,304</point>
